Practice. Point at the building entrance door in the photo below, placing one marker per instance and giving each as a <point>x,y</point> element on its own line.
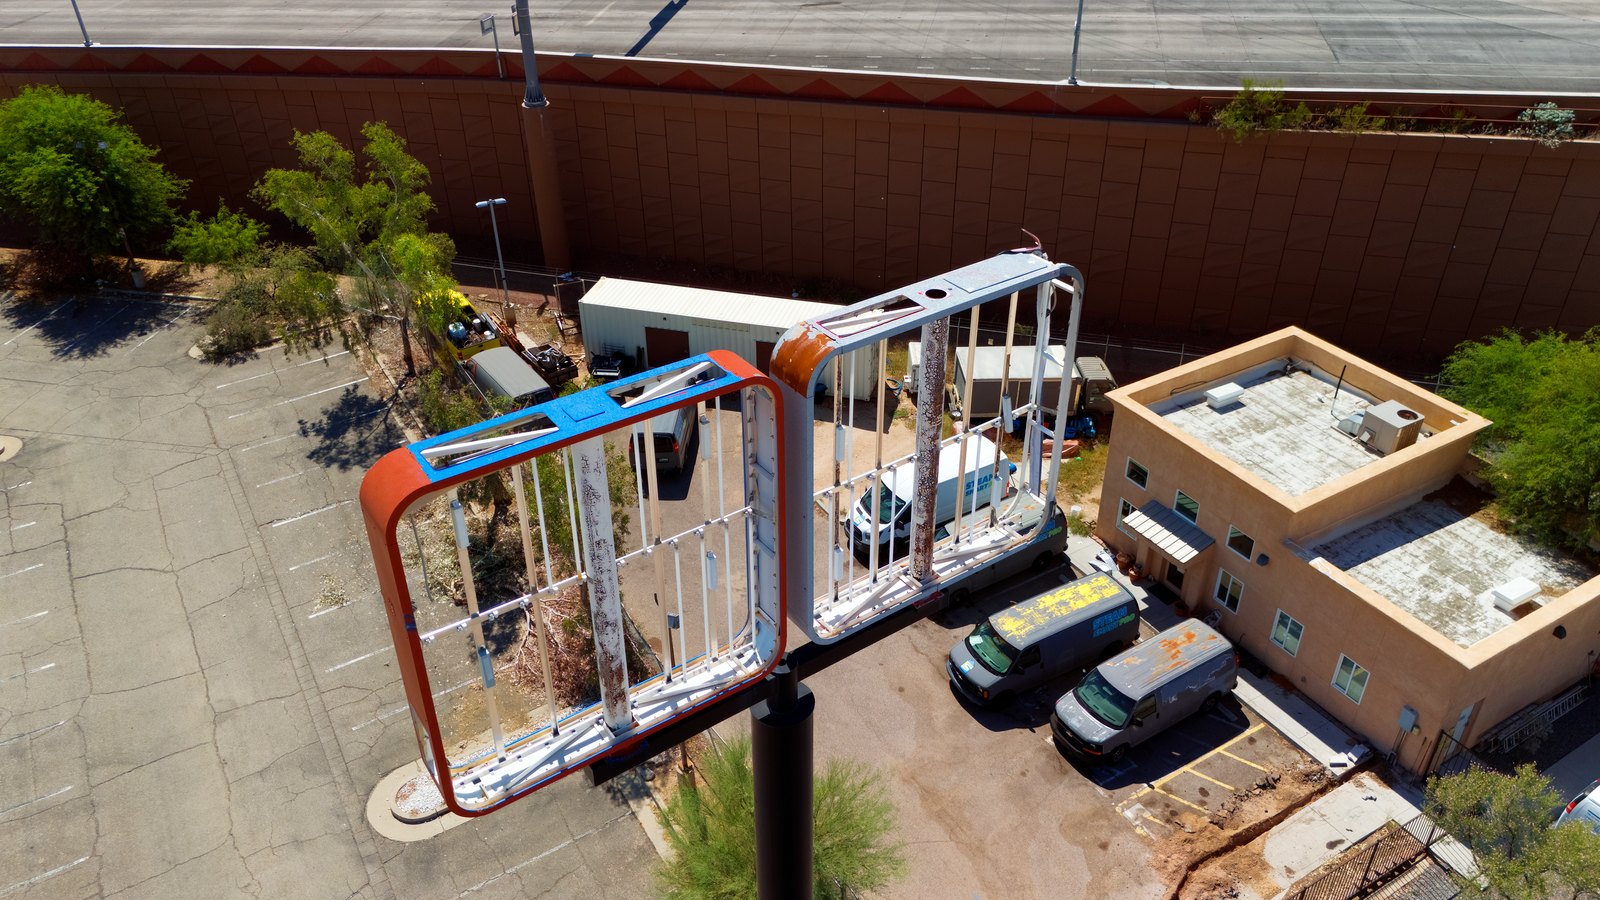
<point>1174,576</point>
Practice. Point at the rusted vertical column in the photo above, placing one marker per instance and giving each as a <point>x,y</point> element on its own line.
<point>930,421</point>
<point>538,137</point>
<point>605,595</point>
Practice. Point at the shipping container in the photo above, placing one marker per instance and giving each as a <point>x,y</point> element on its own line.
<point>657,324</point>
<point>988,362</point>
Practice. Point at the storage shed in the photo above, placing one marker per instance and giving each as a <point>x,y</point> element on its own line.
<point>657,324</point>
<point>987,363</point>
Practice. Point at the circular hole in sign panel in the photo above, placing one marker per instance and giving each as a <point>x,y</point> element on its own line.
<point>936,294</point>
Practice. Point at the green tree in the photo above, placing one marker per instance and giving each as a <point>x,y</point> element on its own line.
<point>372,228</point>
<point>1543,396</point>
<point>78,175</point>
<point>224,238</point>
<point>711,827</point>
<point>1505,821</point>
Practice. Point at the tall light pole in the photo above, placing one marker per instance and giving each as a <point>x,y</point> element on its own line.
<point>486,26</point>
<point>1077,29</point>
<point>86,41</point>
<point>505,296</point>
<point>539,138</point>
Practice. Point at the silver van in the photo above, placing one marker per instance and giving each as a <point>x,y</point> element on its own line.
<point>671,433</point>
<point>1141,692</point>
<point>499,371</point>
<point>1039,639</point>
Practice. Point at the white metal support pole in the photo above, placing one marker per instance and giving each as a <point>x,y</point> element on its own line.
<point>471,590</point>
<point>877,462</point>
<point>535,605</point>
<point>966,423</point>
<point>930,421</point>
<point>605,594</point>
<point>1005,388</point>
<point>1041,345</point>
<point>1064,399</point>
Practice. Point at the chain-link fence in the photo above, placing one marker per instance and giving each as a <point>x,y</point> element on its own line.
<point>1375,864</point>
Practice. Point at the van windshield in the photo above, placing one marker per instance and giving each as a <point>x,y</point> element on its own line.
<point>888,506</point>
<point>991,649</point>
<point>1103,701</point>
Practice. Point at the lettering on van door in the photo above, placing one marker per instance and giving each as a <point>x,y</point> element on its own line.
<point>1113,620</point>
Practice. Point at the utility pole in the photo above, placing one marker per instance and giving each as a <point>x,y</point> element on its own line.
<point>86,41</point>
<point>1077,29</point>
<point>781,763</point>
<point>538,137</point>
<point>505,296</point>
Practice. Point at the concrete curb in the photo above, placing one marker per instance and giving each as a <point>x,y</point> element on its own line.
<point>380,809</point>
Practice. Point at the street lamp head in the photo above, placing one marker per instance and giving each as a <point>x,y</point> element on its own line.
<point>497,202</point>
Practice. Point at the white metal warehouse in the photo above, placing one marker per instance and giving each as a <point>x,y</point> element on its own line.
<point>663,323</point>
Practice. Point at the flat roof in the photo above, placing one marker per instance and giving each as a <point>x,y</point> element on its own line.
<point>716,307</point>
<point>1282,429</point>
<point>1438,559</point>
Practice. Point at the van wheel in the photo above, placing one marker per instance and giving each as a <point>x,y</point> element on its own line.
<point>960,597</point>
<point>1043,561</point>
<point>1118,755</point>
<point>1112,649</point>
<point>1004,700</point>
<point>1210,702</point>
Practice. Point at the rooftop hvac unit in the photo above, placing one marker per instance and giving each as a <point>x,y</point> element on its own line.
<point>1514,593</point>
<point>1224,395</point>
<point>1389,426</point>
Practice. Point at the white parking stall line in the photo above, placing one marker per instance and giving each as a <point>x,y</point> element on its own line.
<point>37,799</point>
<point>25,618</point>
<point>22,526</point>
<point>38,878</point>
<point>85,336</point>
<point>566,843</point>
<point>396,712</point>
<point>276,480</point>
<point>337,387</point>
<point>312,561</point>
<point>360,658</point>
<point>264,443</point>
<point>36,324</point>
<point>152,334</point>
<point>312,513</point>
<point>19,737</point>
<point>20,571</point>
<point>284,369</point>
<point>32,671</point>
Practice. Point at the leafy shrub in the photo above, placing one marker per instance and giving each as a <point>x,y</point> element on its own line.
<point>234,328</point>
<point>1260,109</point>
<point>1355,118</point>
<point>1547,124</point>
<point>224,238</point>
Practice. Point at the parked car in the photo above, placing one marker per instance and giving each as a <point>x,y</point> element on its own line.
<point>1145,690</point>
<point>499,371</point>
<point>671,432</point>
<point>1042,638</point>
<point>1584,808</point>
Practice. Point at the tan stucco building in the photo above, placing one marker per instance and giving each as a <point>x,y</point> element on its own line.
<point>1246,482</point>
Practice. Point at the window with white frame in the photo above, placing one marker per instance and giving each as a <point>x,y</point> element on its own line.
<point>1125,509</point>
<point>1137,474</point>
<point>1350,679</point>
<point>1229,590</point>
<point>1286,633</point>
<point>1241,543</point>
<point>1186,506</point>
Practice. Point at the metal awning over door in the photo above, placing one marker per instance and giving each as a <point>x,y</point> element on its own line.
<point>1172,534</point>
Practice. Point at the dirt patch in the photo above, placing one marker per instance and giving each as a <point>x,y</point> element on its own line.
<point>1245,815</point>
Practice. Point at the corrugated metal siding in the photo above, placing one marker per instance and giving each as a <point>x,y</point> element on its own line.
<point>615,312</point>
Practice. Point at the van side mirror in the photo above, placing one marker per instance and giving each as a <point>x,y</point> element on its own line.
<point>1136,722</point>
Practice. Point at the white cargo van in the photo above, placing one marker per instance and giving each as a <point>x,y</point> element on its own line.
<point>893,519</point>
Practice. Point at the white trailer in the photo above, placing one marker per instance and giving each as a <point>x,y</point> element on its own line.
<point>658,324</point>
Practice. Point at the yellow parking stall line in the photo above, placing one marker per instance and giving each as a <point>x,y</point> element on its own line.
<point>1243,734</point>
<point>1245,761</point>
<point>1209,778</point>
<point>1183,801</point>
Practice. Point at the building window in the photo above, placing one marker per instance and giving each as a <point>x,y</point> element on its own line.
<point>1351,679</point>
<point>1241,543</point>
<point>1286,633</point>
<point>1187,506</point>
<point>1229,590</point>
<point>1124,510</point>
<point>1138,474</point>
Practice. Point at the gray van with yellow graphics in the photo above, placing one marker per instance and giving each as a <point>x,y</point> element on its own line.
<point>1143,691</point>
<point>1039,639</point>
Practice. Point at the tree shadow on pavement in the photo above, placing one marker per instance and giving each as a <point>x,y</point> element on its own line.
<point>86,327</point>
<point>354,432</point>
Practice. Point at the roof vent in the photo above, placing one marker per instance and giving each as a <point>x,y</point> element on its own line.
<point>1514,593</point>
<point>1389,427</point>
<point>1224,395</point>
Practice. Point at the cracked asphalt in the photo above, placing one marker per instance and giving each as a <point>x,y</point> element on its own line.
<point>187,708</point>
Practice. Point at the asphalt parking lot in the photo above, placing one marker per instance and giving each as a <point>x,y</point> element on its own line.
<point>197,687</point>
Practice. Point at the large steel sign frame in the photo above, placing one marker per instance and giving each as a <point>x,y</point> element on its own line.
<point>569,432</point>
<point>986,526</point>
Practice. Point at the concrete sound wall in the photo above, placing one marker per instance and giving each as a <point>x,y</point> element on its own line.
<point>1404,243</point>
